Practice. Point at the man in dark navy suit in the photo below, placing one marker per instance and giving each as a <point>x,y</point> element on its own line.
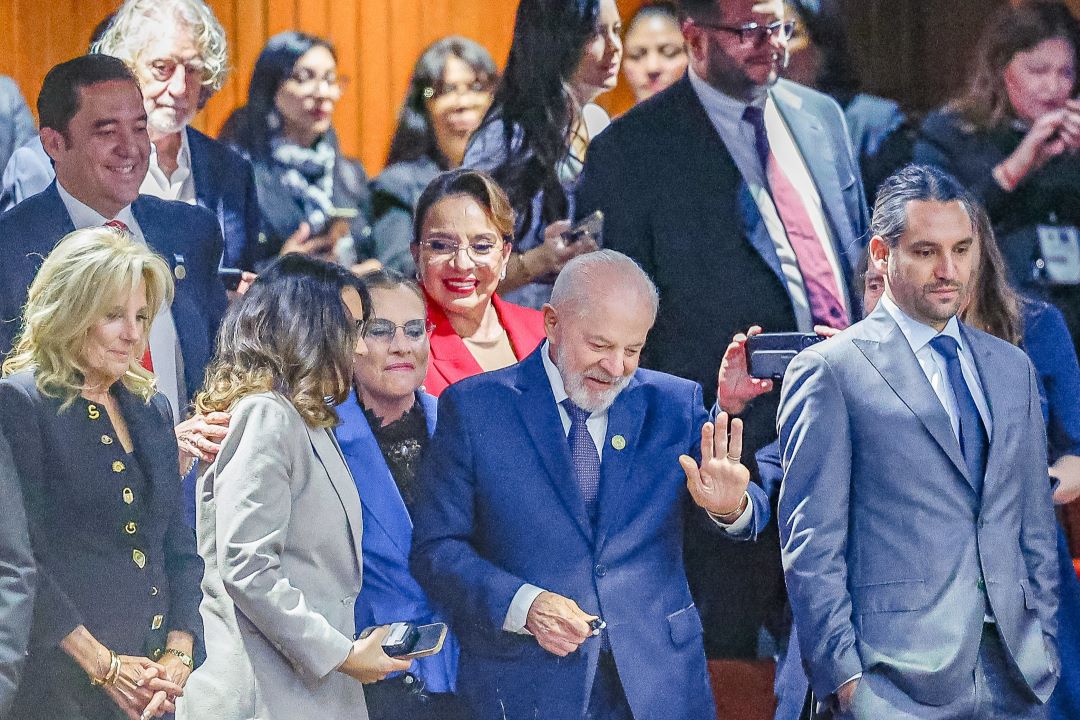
<point>178,51</point>
<point>554,494</point>
<point>93,126</point>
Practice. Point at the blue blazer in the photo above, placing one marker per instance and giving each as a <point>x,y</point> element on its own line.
<point>500,507</point>
<point>224,185</point>
<point>183,235</point>
<point>390,593</point>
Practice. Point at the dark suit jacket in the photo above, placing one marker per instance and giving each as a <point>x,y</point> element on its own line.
<point>181,234</point>
<point>18,579</point>
<point>674,200</point>
<point>224,184</point>
<point>450,358</point>
<point>88,518</point>
<point>500,506</point>
<point>394,194</point>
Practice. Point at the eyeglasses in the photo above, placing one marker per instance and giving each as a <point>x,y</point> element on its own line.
<point>383,331</point>
<point>441,90</point>
<point>752,34</point>
<point>480,251</point>
<point>162,69</point>
<point>307,81</point>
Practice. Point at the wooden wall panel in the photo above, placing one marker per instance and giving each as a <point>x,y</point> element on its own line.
<point>904,51</point>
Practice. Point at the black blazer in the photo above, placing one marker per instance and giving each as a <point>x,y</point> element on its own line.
<point>394,195</point>
<point>18,579</point>
<point>187,237</point>
<point>282,214</point>
<point>113,554</point>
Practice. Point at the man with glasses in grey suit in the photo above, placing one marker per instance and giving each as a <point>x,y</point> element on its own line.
<point>917,528</point>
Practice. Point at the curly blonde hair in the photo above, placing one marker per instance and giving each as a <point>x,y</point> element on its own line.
<point>137,21</point>
<point>76,287</point>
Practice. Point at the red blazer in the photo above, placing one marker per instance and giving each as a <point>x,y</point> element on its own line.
<point>450,358</point>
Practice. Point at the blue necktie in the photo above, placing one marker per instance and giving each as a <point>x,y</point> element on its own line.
<point>586,458</point>
<point>973,441</point>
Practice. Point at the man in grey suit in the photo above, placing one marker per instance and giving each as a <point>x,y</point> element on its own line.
<point>915,512</point>
<point>17,580</point>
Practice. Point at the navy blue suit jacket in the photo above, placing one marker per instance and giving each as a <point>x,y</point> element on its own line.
<point>181,234</point>
<point>224,185</point>
<point>500,506</point>
<point>390,593</point>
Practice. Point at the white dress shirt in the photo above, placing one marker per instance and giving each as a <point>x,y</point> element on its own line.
<point>726,115</point>
<point>597,425</point>
<point>178,186</point>
<point>934,365</point>
<point>164,343</point>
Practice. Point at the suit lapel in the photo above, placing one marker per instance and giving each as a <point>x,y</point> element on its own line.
<point>448,351</point>
<point>378,492</point>
<point>817,152</point>
<point>993,392</point>
<point>888,351</point>
<point>158,238</point>
<point>55,222</point>
<point>333,461</point>
<point>713,161</point>
<point>207,192</point>
<point>541,418</point>
<point>625,419</point>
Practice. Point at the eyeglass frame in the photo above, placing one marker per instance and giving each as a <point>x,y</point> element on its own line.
<point>194,67</point>
<point>761,33</point>
<point>429,327</point>
<point>476,87</point>
<point>336,84</point>
<point>457,245</point>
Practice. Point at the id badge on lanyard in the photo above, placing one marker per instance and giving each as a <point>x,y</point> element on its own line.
<point>1059,248</point>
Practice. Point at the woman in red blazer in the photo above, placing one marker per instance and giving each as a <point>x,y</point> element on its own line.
<point>461,242</point>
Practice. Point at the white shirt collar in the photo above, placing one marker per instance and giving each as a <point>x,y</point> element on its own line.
<point>183,160</point>
<point>918,334</point>
<point>718,103</point>
<point>84,216</point>
<point>554,378</point>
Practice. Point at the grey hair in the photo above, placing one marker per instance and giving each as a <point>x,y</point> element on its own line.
<point>582,276</point>
<point>915,182</point>
<point>133,28</point>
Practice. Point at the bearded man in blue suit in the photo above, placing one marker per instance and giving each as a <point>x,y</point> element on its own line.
<point>551,515</point>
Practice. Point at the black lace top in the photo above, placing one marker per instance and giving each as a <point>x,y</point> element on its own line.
<point>401,443</point>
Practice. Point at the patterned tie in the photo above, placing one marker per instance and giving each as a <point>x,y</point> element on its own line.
<point>973,441</point>
<point>826,304</point>
<point>146,361</point>
<point>586,458</point>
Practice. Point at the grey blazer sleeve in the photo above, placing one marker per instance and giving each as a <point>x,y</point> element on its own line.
<point>254,509</point>
<point>815,447</point>
<point>17,580</point>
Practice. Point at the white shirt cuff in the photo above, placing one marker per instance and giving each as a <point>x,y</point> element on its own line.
<point>518,614</point>
<point>741,523</point>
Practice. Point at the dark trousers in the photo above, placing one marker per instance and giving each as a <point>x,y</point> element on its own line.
<point>607,700</point>
<point>404,698</point>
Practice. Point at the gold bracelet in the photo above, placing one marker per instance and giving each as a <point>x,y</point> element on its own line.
<point>110,677</point>
<point>184,657</point>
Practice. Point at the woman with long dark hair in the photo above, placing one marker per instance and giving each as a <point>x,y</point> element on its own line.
<point>448,94</point>
<point>313,199</point>
<point>564,54</point>
<point>1013,140</point>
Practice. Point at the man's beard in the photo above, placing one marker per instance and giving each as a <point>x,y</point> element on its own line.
<point>579,393</point>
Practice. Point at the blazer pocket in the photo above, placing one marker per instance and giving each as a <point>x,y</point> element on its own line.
<point>890,596</point>
<point>685,625</point>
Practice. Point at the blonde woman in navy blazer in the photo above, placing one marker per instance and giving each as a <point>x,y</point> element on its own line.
<point>94,447</point>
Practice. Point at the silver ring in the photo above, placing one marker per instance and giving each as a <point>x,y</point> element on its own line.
<point>734,458</point>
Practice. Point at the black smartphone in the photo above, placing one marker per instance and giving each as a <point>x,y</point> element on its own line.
<point>408,641</point>
<point>590,226</point>
<point>769,354</point>
<point>230,277</point>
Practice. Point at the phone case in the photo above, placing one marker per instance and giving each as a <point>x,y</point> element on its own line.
<point>429,641</point>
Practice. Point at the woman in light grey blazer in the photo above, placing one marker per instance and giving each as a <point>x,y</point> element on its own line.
<point>279,518</point>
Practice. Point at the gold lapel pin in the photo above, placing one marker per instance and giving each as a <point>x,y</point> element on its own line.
<point>618,442</point>
<point>180,272</point>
